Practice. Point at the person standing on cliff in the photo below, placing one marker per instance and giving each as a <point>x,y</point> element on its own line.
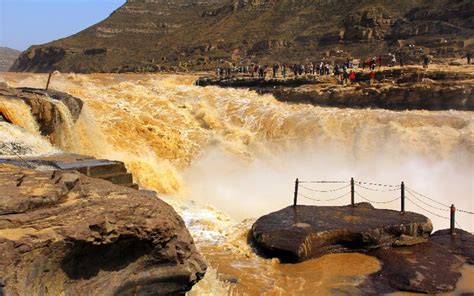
<point>275,70</point>
<point>345,76</point>
<point>372,77</point>
<point>283,71</point>
<point>426,61</point>
<point>352,77</point>
<point>469,57</point>
<point>380,62</point>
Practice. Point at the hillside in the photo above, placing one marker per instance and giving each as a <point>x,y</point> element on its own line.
<point>7,58</point>
<point>153,35</point>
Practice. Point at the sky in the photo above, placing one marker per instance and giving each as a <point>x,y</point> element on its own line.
<point>28,22</point>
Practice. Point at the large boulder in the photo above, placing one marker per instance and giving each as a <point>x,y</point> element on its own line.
<point>298,233</point>
<point>62,233</point>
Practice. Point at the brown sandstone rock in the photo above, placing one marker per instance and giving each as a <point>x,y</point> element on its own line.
<point>423,268</point>
<point>303,232</point>
<point>65,233</point>
<point>462,243</point>
<point>43,108</point>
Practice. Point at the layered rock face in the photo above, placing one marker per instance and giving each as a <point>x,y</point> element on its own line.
<point>65,233</point>
<point>154,35</point>
<point>44,108</point>
<point>7,58</point>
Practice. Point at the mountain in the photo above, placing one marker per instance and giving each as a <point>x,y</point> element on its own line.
<point>152,35</point>
<point>7,58</point>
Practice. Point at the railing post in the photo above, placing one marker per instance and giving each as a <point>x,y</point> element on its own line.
<point>295,200</point>
<point>352,192</point>
<point>402,187</point>
<point>453,221</point>
<point>49,79</point>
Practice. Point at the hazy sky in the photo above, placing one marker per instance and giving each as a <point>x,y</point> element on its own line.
<point>28,22</point>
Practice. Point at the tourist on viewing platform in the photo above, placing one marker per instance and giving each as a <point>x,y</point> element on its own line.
<point>336,70</point>
<point>275,70</point>
<point>283,70</point>
<point>345,76</point>
<point>469,57</point>
<point>372,77</point>
<point>402,64</point>
<point>373,64</point>
<point>379,60</point>
<point>352,77</point>
<point>394,60</point>
<point>426,61</point>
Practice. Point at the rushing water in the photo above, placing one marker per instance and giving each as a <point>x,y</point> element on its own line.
<point>224,155</point>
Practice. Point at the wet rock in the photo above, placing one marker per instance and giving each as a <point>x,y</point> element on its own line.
<point>406,240</point>
<point>303,232</point>
<point>462,243</point>
<point>44,108</point>
<point>65,233</point>
<point>422,268</point>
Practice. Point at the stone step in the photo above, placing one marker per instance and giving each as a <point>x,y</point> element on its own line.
<point>119,179</point>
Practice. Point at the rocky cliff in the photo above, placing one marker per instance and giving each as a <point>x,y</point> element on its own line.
<point>7,58</point>
<point>153,35</point>
<point>62,233</point>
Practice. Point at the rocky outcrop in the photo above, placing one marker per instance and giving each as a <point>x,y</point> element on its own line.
<point>65,233</point>
<point>156,35</point>
<point>422,268</point>
<point>44,108</point>
<point>427,96</point>
<point>112,171</point>
<point>397,89</point>
<point>461,244</point>
<point>7,58</point>
<point>303,232</point>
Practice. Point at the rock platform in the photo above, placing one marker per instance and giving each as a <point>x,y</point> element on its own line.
<point>395,89</point>
<point>412,259</point>
<point>299,233</point>
<point>63,233</point>
<point>113,171</point>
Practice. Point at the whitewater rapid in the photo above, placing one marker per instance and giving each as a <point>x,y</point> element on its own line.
<point>220,156</point>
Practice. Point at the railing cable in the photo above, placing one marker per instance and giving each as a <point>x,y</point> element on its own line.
<point>325,191</point>
<point>318,200</point>
<point>419,194</point>
<point>372,189</point>
<point>376,202</point>
<point>439,216</point>
<point>440,209</point>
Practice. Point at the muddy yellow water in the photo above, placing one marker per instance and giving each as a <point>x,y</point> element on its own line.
<point>220,156</point>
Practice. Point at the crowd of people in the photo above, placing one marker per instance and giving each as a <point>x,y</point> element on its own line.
<point>344,72</point>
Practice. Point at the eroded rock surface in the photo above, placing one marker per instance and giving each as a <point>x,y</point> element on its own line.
<point>423,268</point>
<point>303,232</point>
<point>462,243</point>
<point>65,233</point>
<point>44,108</point>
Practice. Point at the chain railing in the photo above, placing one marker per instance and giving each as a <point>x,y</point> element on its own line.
<point>419,200</point>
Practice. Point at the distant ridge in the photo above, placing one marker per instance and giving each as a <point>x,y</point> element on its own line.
<point>154,35</point>
<point>7,58</point>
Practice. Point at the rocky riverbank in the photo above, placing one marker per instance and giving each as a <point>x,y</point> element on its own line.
<point>394,88</point>
<point>65,233</point>
<point>412,259</point>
